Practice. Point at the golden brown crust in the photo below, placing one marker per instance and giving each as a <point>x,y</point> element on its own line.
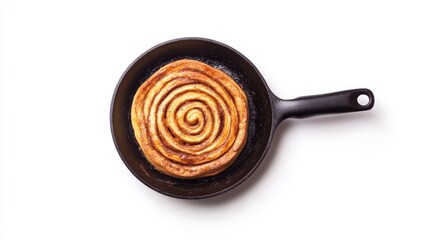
<point>190,119</point>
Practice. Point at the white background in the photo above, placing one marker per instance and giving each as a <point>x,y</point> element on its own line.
<point>353,176</point>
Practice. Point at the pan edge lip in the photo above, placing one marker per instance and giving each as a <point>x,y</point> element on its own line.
<point>198,196</point>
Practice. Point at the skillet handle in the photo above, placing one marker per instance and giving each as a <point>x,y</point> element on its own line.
<point>330,103</point>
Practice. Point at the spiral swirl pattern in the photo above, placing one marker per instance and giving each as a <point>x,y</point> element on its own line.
<point>190,119</point>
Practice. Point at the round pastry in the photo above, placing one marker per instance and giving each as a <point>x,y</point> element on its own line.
<point>190,119</point>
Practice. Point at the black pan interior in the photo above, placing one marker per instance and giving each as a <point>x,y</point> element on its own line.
<point>219,56</point>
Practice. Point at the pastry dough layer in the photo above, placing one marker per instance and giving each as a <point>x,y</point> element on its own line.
<point>190,119</point>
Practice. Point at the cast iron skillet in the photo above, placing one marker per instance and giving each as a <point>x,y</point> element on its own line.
<point>266,112</point>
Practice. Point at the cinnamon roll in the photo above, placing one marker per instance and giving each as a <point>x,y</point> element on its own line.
<point>190,119</point>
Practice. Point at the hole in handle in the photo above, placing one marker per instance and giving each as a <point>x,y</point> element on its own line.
<point>363,100</point>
